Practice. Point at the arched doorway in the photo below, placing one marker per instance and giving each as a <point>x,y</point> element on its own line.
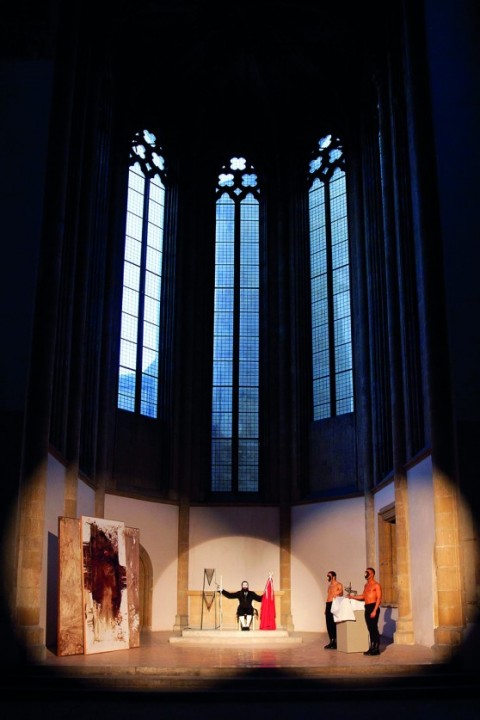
<point>145,590</point>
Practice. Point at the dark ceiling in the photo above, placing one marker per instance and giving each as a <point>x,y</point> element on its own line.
<point>252,70</point>
<point>259,72</point>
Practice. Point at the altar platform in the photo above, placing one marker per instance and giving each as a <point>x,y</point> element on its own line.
<point>220,636</point>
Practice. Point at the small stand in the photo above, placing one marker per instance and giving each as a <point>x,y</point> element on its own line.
<point>211,595</point>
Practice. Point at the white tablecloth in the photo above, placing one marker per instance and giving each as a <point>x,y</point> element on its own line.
<point>344,608</point>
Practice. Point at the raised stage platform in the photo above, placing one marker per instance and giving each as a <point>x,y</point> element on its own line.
<point>273,680</point>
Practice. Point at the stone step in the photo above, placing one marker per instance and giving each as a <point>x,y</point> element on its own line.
<point>196,636</point>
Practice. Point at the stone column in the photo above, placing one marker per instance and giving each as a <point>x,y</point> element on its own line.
<point>30,556</point>
<point>404,631</point>
<point>181,618</point>
<point>286,620</point>
<point>391,163</point>
<point>100,501</point>
<point>440,413</point>
<point>370,529</point>
<point>30,532</point>
<point>450,608</point>
<point>71,488</point>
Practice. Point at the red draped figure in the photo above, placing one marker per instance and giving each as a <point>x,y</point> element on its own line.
<point>267,611</point>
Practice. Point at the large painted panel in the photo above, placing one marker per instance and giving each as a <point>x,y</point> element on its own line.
<point>105,601</point>
<point>70,622</point>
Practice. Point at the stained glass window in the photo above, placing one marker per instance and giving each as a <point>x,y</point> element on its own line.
<point>330,282</point>
<point>142,278</point>
<point>235,386</point>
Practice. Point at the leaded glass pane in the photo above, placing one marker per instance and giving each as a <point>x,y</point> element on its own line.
<point>129,329</point>
<point>128,354</point>
<point>149,394</point>
<point>150,335</point>
<point>224,300</point>
<point>223,324</point>
<point>152,284</point>
<point>152,310</point>
<point>134,227</point>
<point>339,255</point>
<point>131,276</point>
<point>149,361</point>
<point>153,258</point>
<point>221,424</point>
<point>343,357</point>
<point>222,372</point>
<point>133,250</point>
<point>224,275</point>
<point>320,337</point>
<point>248,373</point>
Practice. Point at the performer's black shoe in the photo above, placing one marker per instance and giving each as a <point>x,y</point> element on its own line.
<point>332,645</point>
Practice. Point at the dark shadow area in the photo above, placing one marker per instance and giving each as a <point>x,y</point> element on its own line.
<point>389,624</point>
<point>52,592</point>
<point>441,692</point>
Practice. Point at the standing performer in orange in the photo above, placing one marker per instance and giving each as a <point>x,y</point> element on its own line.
<point>372,596</point>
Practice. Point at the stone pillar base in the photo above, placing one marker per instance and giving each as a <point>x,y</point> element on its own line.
<point>404,634</point>
<point>448,635</point>
<point>403,638</point>
<point>31,635</point>
<point>289,624</point>
<point>181,622</point>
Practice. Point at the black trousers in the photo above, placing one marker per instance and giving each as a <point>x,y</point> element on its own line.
<point>372,623</point>
<point>331,624</point>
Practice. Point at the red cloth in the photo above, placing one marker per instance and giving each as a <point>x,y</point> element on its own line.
<point>267,611</point>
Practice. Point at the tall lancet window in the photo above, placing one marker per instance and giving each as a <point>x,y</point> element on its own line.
<point>330,282</point>
<point>142,278</point>
<point>235,408</point>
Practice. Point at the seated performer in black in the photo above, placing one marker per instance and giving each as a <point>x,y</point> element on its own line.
<point>245,610</point>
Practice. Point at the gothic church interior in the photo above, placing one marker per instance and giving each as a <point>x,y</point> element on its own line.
<point>296,386</point>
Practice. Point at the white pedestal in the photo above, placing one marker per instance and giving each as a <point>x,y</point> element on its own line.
<point>352,635</point>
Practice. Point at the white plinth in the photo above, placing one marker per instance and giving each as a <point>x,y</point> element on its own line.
<point>352,635</point>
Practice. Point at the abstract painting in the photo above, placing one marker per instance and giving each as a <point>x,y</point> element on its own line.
<point>105,601</point>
